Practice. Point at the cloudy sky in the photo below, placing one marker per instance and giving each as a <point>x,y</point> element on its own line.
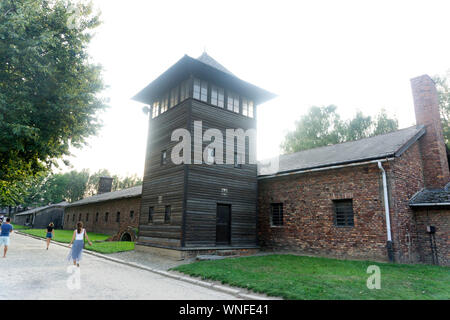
<point>358,55</point>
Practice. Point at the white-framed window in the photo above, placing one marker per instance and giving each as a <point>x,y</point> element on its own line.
<point>217,96</point>
<point>200,90</point>
<point>165,103</point>
<point>233,102</point>
<point>155,109</point>
<point>174,96</point>
<point>185,90</point>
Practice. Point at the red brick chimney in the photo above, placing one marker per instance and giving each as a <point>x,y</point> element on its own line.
<point>432,145</point>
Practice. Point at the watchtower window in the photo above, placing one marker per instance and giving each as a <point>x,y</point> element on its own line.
<point>155,109</point>
<point>200,90</point>
<point>174,96</point>
<point>185,90</point>
<point>247,107</point>
<point>233,102</point>
<point>165,103</point>
<point>217,96</point>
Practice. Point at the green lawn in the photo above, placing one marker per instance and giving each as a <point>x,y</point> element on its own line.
<point>19,227</point>
<point>65,236</point>
<point>300,277</point>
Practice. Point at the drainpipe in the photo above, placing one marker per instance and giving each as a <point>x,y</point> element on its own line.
<point>389,246</point>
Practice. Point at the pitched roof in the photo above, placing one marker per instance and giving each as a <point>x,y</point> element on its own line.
<point>120,194</point>
<point>207,59</point>
<point>431,197</point>
<point>377,147</point>
<point>35,210</point>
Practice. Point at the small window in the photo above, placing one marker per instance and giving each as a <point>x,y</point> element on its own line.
<point>87,217</point>
<point>96,217</point>
<point>200,90</point>
<point>165,104</point>
<point>106,216</point>
<point>217,96</point>
<point>185,90</point>
<point>167,214</point>
<point>247,107</point>
<point>151,211</point>
<point>118,217</point>
<point>237,160</point>
<point>73,218</point>
<point>155,109</point>
<point>343,210</point>
<point>233,102</point>
<point>131,214</point>
<point>276,214</point>
<point>174,96</point>
<point>79,217</point>
<point>163,157</point>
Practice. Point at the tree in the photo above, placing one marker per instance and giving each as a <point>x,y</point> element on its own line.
<point>48,88</point>
<point>322,126</point>
<point>443,89</point>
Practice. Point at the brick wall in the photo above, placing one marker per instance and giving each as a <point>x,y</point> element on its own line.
<point>406,177</point>
<point>440,218</point>
<point>111,226</point>
<point>309,226</point>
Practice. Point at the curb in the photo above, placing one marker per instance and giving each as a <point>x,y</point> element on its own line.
<point>235,292</point>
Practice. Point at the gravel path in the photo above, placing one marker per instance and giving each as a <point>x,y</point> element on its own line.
<point>31,272</point>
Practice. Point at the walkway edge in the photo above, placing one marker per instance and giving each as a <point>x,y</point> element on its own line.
<point>235,292</point>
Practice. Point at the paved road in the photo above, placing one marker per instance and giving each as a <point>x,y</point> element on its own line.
<point>31,272</point>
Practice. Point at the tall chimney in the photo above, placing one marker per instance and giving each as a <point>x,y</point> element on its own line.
<point>432,145</point>
<point>104,185</point>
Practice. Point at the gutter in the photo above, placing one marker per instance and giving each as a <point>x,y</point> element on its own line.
<point>429,204</point>
<point>386,210</point>
<point>354,164</point>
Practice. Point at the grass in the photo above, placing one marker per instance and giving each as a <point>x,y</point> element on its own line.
<point>300,277</point>
<point>98,240</point>
<point>19,227</point>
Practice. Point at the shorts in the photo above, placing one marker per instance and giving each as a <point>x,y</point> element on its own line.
<point>4,241</point>
<point>49,235</point>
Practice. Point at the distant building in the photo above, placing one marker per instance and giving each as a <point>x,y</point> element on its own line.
<point>112,213</point>
<point>41,217</point>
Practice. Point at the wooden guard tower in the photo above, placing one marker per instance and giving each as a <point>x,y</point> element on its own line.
<point>192,208</point>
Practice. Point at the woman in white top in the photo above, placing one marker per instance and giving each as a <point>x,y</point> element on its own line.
<point>78,242</point>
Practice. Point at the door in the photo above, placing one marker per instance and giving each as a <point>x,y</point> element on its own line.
<point>223,224</point>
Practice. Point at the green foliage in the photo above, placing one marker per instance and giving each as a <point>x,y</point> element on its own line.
<point>70,186</point>
<point>443,89</point>
<point>298,277</point>
<point>322,126</point>
<point>48,88</point>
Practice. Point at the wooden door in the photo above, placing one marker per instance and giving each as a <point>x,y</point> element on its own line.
<point>223,224</point>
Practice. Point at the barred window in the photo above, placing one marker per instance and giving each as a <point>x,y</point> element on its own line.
<point>79,217</point>
<point>87,217</point>
<point>247,107</point>
<point>155,109</point>
<point>174,96</point>
<point>167,214</point>
<point>343,210</point>
<point>131,214</point>
<point>164,104</point>
<point>96,217</point>
<point>106,216</point>
<point>276,214</point>
<point>118,217</point>
<point>151,211</point>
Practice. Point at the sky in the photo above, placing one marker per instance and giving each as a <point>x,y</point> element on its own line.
<point>358,55</point>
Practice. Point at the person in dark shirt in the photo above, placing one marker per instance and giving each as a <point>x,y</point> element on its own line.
<point>6,230</point>
<point>50,233</point>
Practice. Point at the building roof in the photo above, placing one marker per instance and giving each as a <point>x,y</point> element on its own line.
<point>207,59</point>
<point>383,146</point>
<point>115,195</point>
<point>206,68</point>
<point>35,210</point>
<point>431,197</point>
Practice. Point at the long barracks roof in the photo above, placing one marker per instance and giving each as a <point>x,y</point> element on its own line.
<point>206,68</point>
<point>383,146</point>
<point>35,210</point>
<point>120,194</point>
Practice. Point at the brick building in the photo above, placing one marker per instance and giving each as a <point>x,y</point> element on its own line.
<point>355,199</point>
<point>112,213</point>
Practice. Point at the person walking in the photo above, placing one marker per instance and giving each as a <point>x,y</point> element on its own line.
<point>50,233</point>
<point>78,242</point>
<point>6,230</point>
